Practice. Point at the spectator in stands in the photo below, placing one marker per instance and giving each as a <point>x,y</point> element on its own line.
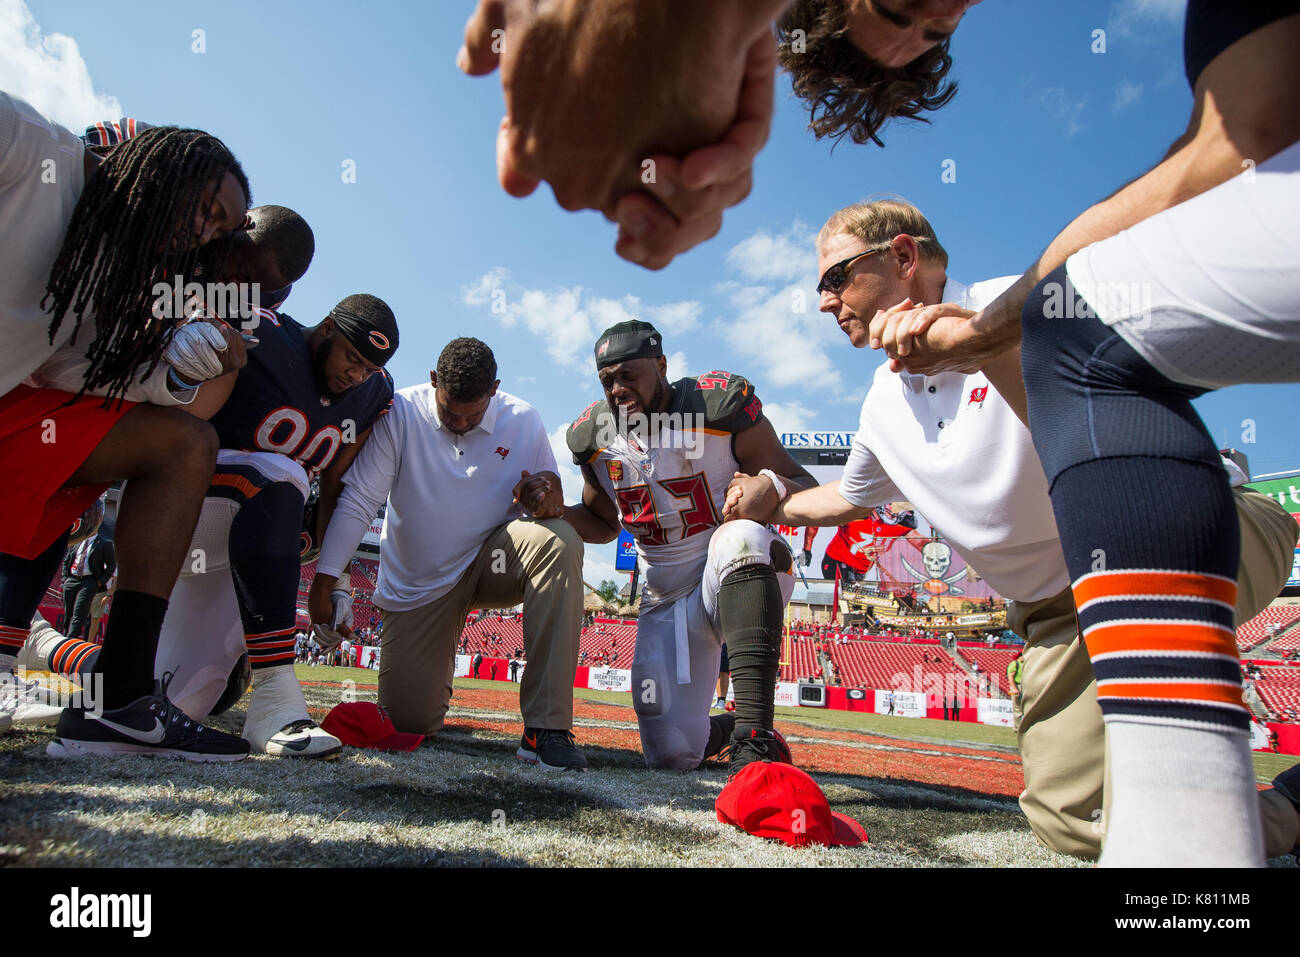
<point>1060,728</point>
<point>457,455</point>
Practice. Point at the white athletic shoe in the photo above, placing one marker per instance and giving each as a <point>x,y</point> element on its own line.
<point>25,703</point>
<point>277,721</point>
<point>719,705</point>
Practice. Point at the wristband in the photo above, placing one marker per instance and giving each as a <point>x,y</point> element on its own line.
<point>175,384</point>
<point>782,493</point>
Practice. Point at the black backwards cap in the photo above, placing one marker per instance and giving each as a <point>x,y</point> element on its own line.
<point>374,336</point>
<point>628,340</point>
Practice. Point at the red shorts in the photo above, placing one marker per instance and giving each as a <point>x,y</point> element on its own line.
<point>43,442</point>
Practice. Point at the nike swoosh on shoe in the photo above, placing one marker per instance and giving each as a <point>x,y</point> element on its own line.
<point>148,737</point>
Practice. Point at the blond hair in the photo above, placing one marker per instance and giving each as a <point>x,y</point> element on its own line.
<point>877,223</point>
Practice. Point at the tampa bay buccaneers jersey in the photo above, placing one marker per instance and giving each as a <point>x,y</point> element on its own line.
<point>277,407</point>
<point>670,487</point>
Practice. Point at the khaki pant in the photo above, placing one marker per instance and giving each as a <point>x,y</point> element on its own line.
<point>538,563</point>
<point>1058,721</point>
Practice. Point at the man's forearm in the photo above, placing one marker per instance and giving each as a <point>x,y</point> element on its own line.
<point>590,528</point>
<point>1194,164</point>
<point>1003,372</point>
<point>347,527</point>
<point>822,505</point>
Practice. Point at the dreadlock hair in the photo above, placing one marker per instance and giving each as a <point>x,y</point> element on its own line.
<point>467,370</point>
<point>131,229</point>
<point>847,92</point>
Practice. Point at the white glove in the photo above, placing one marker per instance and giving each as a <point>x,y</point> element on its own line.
<point>329,638</point>
<point>194,351</point>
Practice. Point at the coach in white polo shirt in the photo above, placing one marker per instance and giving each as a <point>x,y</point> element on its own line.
<point>951,446</point>
<point>472,522</point>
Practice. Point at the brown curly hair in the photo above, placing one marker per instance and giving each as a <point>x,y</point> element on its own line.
<point>848,93</point>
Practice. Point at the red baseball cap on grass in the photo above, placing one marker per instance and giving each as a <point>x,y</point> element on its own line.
<point>363,724</point>
<point>782,802</point>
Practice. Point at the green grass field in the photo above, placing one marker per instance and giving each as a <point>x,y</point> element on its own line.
<point>930,793</point>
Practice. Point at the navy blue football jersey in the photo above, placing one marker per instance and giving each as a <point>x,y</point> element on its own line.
<point>276,407</point>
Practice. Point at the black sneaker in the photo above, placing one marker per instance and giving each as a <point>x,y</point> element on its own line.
<point>552,750</point>
<point>757,745</point>
<point>721,728</point>
<point>151,726</point>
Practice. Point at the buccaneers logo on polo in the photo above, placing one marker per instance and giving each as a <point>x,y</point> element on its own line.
<point>978,395</point>
<point>502,451</point>
<point>615,470</point>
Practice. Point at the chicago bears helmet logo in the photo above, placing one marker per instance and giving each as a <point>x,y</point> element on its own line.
<point>379,339</point>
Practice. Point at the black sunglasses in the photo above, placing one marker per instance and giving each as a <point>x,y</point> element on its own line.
<point>834,278</point>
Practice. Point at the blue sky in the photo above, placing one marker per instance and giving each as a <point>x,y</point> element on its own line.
<point>1041,127</point>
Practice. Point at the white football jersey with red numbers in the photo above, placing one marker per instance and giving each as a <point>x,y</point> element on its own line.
<point>669,489</point>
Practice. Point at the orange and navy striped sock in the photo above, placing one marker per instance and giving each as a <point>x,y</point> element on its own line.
<point>1152,545</point>
<point>264,562</point>
<point>270,649</point>
<point>1163,646</point>
<point>73,657</point>
<point>12,638</point>
<point>1156,589</point>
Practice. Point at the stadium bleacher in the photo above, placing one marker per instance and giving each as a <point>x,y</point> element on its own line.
<point>1255,632</point>
<point>802,660</point>
<point>879,664</point>
<point>1279,689</point>
<point>992,660</point>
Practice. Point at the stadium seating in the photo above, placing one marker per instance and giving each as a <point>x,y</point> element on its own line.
<point>802,660</point>
<point>879,664</point>
<point>992,660</point>
<point>1255,631</point>
<point>1279,689</point>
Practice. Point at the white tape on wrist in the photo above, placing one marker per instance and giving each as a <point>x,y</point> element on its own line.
<point>782,493</point>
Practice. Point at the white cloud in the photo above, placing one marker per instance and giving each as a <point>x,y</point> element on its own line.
<point>788,416</point>
<point>769,257</point>
<point>787,346</point>
<point>673,318</point>
<point>1058,104</point>
<point>1141,18</point>
<point>570,475</point>
<point>48,71</point>
<point>480,292</point>
<point>1126,94</point>
<point>568,320</point>
<point>598,560</point>
<point>679,366</point>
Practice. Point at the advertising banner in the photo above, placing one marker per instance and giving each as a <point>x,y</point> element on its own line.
<point>901,704</point>
<point>609,679</point>
<point>787,694</point>
<point>625,558</point>
<point>995,711</point>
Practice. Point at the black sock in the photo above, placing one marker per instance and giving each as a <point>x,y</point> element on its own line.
<point>749,611</point>
<point>126,661</point>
